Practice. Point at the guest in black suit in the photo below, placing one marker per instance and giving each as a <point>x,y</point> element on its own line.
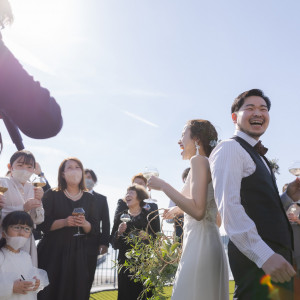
<point>149,207</point>
<point>98,244</point>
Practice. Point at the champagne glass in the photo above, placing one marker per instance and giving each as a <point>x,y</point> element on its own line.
<point>150,171</point>
<point>294,209</point>
<point>3,188</point>
<point>78,211</point>
<point>125,217</point>
<point>294,168</point>
<point>39,182</point>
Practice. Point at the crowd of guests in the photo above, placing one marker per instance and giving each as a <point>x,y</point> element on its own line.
<point>66,219</point>
<point>69,242</point>
<point>69,259</point>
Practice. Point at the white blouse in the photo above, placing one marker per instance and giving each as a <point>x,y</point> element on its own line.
<point>14,199</point>
<point>12,266</point>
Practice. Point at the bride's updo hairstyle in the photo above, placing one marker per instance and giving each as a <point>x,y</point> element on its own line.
<point>205,132</point>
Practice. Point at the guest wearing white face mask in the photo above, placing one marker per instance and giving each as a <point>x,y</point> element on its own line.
<point>99,244</point>
<point>18,278</point>
<point>61,251</point>
<point>21,195</point>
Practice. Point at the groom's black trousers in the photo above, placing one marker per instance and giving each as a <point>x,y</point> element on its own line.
<point>247,276</point>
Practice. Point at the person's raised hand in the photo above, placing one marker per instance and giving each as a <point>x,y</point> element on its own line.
<point>31,204</point>
<point>38,193</point>
<point>155,183</point>
<point>122,228</point>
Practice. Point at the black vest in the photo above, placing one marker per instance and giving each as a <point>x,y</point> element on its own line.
<point>261,201</point>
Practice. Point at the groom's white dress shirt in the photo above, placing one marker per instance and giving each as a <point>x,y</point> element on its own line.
<point>230,163</point>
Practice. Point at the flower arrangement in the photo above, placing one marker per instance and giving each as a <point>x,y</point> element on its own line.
<point>152,261</point>
<point>274,165</point>
<point>213,143</point>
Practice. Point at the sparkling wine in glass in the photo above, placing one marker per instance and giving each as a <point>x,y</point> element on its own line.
<point>150,171</point>
<point>78,211</point>
<point>125,217</point>
<point>3,189</point>
<point>295,168</point>
<point>39,182</point>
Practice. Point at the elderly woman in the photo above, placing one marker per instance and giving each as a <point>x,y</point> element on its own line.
<point>127,288</point>
<point>62,252</point>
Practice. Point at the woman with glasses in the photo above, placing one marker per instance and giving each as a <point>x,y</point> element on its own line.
<point>18,278</point>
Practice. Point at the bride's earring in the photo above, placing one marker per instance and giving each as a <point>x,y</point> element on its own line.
<point>197,148</point>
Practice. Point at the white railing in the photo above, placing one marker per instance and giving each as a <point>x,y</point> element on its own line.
<point>106,275</point>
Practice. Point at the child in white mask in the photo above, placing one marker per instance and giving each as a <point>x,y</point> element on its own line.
<point>19,279</point>
<point>21,195</point>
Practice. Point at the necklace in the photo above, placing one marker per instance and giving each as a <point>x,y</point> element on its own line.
<point>72,197</point>
<point>11,249</point>
<point>135,213</point>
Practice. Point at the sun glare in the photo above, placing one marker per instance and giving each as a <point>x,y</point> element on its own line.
<point>39,18</point>
<point>39,26</point>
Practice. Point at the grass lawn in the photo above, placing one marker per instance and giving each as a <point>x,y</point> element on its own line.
<point>112,295</point>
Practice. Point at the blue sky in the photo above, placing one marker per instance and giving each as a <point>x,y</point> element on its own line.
<point>129,74</point>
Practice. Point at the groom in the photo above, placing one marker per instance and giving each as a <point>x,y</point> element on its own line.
<point>261,238</point>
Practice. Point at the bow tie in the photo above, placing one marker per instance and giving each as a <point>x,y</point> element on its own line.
<point>260,148</point>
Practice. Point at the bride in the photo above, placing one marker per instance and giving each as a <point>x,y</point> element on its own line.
<point>202,272</point>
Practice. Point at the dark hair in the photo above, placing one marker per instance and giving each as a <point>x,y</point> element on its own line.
<point>95,179</point>
<point>139,175</point>
<point>14,218</point>
<point>62,184</point>
<point>205,132</point>
<point>140,192</point>
<point>239,101</point>
<point>27,155</point>
<point>185,174</point>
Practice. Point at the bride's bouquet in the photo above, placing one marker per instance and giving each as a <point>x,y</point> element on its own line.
<point>152,260</point>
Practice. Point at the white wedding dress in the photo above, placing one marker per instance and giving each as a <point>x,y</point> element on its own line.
<point>202,273</point>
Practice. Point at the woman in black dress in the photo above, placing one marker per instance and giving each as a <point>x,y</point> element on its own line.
<point>127,288</point>
<point>61,253</point>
